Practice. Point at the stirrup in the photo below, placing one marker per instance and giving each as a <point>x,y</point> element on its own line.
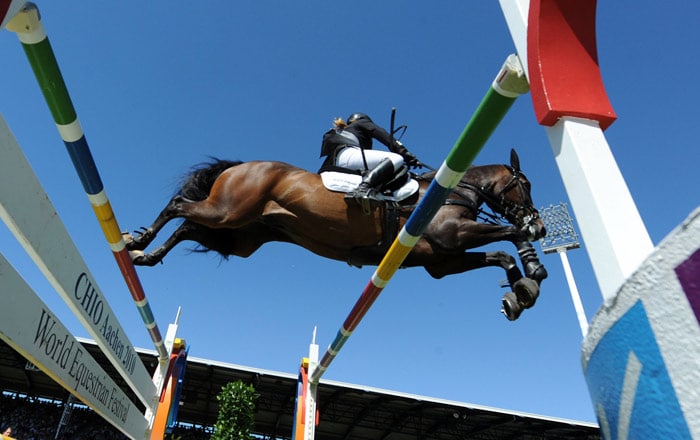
<point>360,193</point>
<point>364,198</point>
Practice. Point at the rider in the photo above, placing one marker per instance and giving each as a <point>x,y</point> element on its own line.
<point>349,145</point>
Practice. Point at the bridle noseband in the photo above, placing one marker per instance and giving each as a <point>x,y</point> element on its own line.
<point>502,207</point>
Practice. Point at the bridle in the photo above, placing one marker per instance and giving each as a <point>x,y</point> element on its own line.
<point>520,211</point>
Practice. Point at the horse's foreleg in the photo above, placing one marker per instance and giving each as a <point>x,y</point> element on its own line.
<point>525,290</point>
<point>466,261</point>
<point>531,262</point>
<point>452,234</point>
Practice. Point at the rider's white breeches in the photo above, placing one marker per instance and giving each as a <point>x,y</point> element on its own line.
<point>351,157</point>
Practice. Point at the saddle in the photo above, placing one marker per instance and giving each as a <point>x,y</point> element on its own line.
<point>396,193</point>
<point>399,188</point>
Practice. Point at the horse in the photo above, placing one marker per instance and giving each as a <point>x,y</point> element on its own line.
<point>233,208</point>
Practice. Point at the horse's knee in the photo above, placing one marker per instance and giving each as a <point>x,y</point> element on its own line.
<point>501,258</point>
<point>508,263</point>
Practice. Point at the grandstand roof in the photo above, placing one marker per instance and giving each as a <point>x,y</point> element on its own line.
<point>346,411</point>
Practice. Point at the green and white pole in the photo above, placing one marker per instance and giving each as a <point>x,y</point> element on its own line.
<point>27,24</point>
<point>506,87</point>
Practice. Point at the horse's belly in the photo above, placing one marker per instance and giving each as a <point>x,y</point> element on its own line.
<point>329,233</point>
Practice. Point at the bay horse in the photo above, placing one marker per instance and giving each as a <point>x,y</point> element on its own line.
<point>233,208</point>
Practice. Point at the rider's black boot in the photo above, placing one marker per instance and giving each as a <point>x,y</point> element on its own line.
<point>367,190</point>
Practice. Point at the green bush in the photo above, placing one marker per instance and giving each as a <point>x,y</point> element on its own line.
<point>236,412</point>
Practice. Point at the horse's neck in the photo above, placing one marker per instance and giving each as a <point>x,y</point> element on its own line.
<point>484,177</point>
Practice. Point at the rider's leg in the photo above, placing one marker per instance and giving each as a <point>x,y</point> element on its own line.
<point>372,180</point>
<point>354,158</point>
<point>375,157</point>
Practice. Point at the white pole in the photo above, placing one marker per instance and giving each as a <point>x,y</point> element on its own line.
<point>311,390</point>
<point>616,238</point>
<point>578,305</point>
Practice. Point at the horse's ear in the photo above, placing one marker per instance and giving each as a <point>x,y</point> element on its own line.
<point>514,160</point>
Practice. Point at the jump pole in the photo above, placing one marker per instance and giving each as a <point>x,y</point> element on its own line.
<point>31,33</point>
<point>505,88</point>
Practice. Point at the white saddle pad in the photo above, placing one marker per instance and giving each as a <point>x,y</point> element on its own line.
<point>344,182</point>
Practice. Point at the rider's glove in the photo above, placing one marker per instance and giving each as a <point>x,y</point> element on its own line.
<point>410,159</point>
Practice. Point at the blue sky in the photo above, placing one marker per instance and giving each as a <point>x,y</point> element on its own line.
<point>160,86</point>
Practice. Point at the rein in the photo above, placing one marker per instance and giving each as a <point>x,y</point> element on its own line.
<point>493,218</point>
<point>502,208</point>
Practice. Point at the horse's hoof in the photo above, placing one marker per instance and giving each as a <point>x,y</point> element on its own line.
<point>135,254</point>
<point>132,243</point>
<point>138,243</point>
<point>128,239</point>
<point>526,292</point>
<point>511,307</point>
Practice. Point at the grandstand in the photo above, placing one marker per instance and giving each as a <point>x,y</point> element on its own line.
<point>347,411</point>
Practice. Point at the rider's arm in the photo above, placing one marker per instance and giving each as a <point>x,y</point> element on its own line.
<point>394,145</point>
<point>382,136</point>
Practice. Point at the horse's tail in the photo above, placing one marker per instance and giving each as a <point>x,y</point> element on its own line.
<point>197,184</point>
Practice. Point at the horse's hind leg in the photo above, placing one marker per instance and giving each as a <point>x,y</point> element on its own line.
<point>146,235</point>
<point>240,242</point>
<point>186,231</point>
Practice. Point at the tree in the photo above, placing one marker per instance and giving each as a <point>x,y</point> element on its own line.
<point>236,407</point>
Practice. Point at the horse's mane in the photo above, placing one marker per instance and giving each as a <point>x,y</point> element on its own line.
<point>430,175</point>
<point>197,183</point>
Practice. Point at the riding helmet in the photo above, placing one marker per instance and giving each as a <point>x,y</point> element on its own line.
<point>357,116</point>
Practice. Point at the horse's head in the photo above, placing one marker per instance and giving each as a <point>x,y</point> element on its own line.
<point>510,197</point>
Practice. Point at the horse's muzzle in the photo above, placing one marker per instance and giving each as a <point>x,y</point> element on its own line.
<point>534,228</point>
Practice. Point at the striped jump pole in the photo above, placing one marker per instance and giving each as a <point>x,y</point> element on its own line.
<point>506,87</point>
<point>27,24</point>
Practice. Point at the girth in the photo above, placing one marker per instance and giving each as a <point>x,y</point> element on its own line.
<point>390,221</point>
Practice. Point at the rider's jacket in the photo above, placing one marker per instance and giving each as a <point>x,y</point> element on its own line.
<point>358,134</point>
